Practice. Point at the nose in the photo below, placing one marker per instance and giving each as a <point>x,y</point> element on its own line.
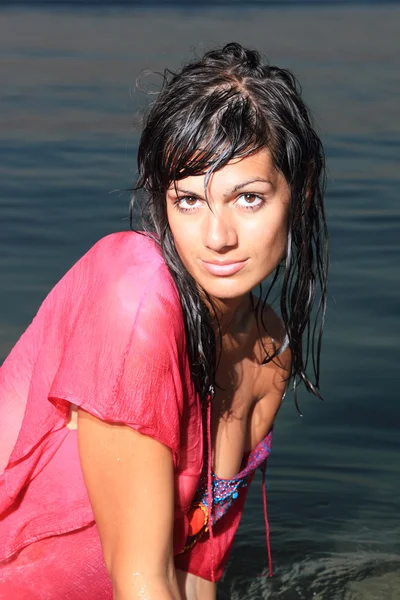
<point>219,233</point>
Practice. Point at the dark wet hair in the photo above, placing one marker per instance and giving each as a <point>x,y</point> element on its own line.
<point>229,104</point>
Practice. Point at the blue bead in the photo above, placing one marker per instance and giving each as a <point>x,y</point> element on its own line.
<point>235,495</point>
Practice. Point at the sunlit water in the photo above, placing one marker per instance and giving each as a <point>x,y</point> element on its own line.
<point>68,127</point>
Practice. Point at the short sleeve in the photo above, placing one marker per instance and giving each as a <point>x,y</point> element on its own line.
<point>123,359</point>
<point>110,338</point>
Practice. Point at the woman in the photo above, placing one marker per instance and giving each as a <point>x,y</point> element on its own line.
<point>139,402</point>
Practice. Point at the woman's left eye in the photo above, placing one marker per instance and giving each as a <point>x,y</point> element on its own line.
<point>250,201</point>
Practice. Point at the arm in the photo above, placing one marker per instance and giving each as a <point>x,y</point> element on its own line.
<point>130,482</point>
<point>193,587</point>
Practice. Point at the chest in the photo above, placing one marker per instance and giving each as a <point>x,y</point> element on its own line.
<point>237,423</point>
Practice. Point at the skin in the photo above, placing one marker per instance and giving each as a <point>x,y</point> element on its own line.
<point>136,533</point>
<point>244,222</point>
<point>239,224</point>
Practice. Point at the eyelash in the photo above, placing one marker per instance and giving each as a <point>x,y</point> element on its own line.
<point>256,206</point>
<point>184,210</point>
<point>249,207</point>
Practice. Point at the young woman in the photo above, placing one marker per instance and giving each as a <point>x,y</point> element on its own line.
<point>139,402</point>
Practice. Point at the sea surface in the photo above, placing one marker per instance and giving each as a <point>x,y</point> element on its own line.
<point>69,125</point>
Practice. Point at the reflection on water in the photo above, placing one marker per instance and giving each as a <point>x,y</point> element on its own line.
<point>68,124</point>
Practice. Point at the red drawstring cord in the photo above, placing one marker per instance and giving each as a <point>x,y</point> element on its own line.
<point>264,495</point>
<point>209,487</point>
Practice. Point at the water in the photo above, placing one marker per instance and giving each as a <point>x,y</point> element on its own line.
<point>68,137</point>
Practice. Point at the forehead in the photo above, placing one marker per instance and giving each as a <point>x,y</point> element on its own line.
<point>258,165</point>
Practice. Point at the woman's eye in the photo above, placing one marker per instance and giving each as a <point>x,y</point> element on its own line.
<point>187,203</point>
<point>250,201</point>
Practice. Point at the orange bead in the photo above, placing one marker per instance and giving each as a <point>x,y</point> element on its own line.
<point>197,519</point>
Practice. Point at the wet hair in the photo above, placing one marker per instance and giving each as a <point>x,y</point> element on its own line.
<point>228,105</point>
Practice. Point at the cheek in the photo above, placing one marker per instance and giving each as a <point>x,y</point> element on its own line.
<point>183,240</point>
<point>280,236</point>
<point>182,249</point>
<point>270,236</point>
<point>270,255</point>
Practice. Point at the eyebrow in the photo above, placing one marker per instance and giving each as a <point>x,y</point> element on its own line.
<point>236,188</point>
<point>239,186</point>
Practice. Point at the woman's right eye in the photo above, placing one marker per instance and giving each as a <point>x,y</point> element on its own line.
<point>187,203</point>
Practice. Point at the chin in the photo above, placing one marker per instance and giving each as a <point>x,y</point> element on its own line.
<point>225,290</point>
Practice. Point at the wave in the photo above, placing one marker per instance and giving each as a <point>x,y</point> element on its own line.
<point>347,576</point>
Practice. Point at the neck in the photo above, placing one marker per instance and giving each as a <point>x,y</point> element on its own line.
<point>230,316</point>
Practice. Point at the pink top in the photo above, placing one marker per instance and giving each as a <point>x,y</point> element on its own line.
<point>109,338</point>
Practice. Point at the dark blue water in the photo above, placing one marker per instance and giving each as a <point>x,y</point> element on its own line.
<point>69,117</point>
<point>77,4</point>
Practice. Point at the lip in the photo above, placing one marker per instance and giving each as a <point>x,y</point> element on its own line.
<point>223,268</point>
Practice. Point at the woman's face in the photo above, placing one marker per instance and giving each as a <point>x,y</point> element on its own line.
<point>233,244</point>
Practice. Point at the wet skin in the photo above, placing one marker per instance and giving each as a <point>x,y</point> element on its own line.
<point>229,245</point>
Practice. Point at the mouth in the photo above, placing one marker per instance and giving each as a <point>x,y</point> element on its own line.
<point>223,268</point>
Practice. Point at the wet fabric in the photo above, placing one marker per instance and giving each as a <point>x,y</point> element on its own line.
<point>108,338</point>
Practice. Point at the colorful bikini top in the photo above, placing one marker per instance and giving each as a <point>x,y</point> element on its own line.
<point>221,494</point>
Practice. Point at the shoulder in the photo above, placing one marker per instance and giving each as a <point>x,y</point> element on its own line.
<point>130,261</point>
<point>122,275</point>
<point>271,331</point>
<point>271,336</point>
<point>116,252</point>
